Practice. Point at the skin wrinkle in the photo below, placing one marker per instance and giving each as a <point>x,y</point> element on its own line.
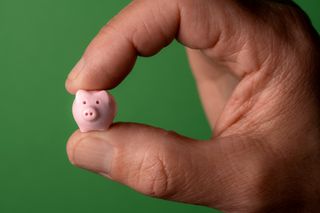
<point>152,181</point>
<point>132,176</point>
<point>252,46</point>
<point>254,64</point>
<point>181,174</point>
<point>147,31</point>
<point>202,23</point>
<point>229,182</point>
<point>238,105</point>
<point>167,39</point>
<point>209,76</point>
<point>153,165</point>
<point>213,31</point>
<point>113,27</point>
<point>189,179</point>
<point>139,169</point>
<point>186,13</point>
<point>189,19</point>
<point>235,165</point>
<point>119,33</point>
<point>275,155</point>
<point>228,58</point>
<point>175,176</point>
<point>180,170</point>
<point>131,40</point>
<point>235,121</point>
<point>220,178</point>
<point>165,173</point>
<point>182,12</point>
<point>263,191</point>
<point>163,19</point>
<point>255,98</point>
<point>262,116</point>
<point>290,89</point>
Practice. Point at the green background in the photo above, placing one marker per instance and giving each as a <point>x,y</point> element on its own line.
<point>40,41</point>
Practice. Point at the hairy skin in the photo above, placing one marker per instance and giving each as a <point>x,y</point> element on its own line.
<point>256,64</point>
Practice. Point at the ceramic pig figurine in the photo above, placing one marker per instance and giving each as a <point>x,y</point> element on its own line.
<point>93,110</point>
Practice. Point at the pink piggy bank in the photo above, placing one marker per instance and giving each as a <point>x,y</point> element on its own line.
<point>93,110</point>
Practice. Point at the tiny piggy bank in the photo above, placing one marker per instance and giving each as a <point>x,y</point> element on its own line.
<point>93,110</point>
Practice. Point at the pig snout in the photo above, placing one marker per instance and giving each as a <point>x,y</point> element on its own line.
<point>90,114</point>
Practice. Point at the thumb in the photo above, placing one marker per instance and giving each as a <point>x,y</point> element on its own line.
<point>152,161</point>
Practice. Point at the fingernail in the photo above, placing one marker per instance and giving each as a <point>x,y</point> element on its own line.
<point>94,155</point>
<point>106,175</point>
<point>76,69</point>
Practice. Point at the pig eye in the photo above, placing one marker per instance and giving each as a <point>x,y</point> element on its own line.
<point>97,102</point>
<point>84,102</point>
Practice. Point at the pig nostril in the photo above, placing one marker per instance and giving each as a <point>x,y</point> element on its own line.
<point>90,114</point>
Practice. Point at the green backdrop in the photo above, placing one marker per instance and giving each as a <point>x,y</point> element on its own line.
<point>40,41</point>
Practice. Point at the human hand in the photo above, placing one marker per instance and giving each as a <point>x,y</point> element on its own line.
<point>256,65</point>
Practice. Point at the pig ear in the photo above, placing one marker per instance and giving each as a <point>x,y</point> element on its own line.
<point>81,93</point>
<point>103,94</point>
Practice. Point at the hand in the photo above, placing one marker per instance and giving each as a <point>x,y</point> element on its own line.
<point>256,64</point>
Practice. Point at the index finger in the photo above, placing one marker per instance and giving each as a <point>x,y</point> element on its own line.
<point>144,27</point>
